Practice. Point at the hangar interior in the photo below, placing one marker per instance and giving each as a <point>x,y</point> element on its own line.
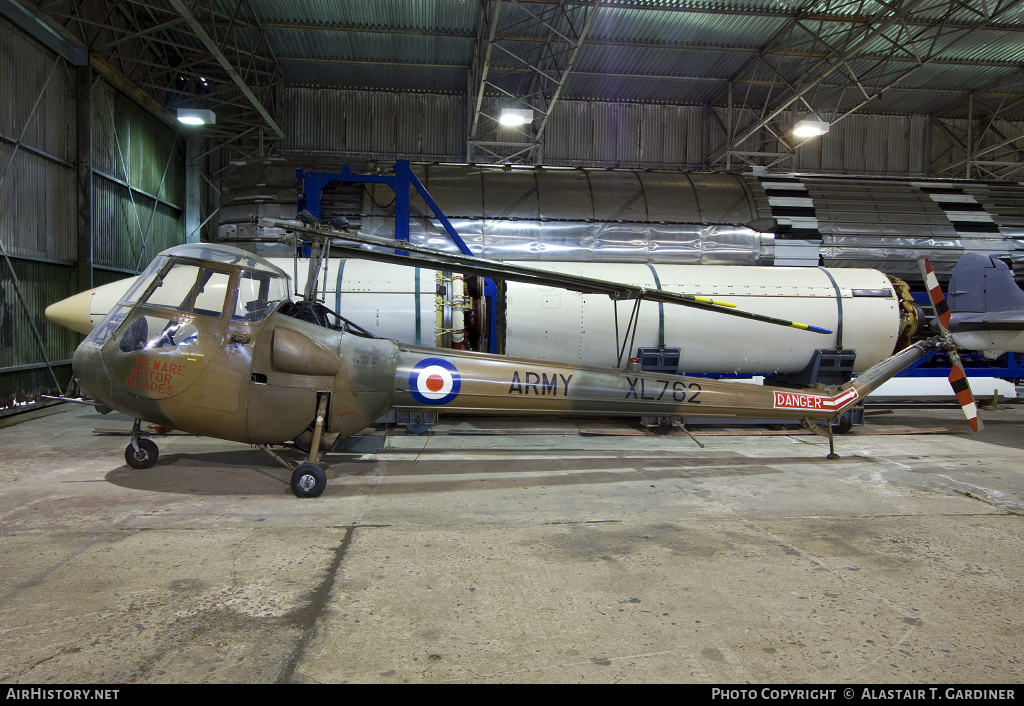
<point>657,135</point>
<point>659,132</point>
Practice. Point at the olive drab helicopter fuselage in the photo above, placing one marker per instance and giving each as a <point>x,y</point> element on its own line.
<point>208,341</point>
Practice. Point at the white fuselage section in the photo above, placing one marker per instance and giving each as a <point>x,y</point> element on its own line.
<point>554,324</point>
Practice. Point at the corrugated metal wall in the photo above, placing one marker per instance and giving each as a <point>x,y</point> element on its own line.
<point>138,183</point>
<point>33,209</point>
<point>629,135</point>
<point>23,369</point>
<point>374,125</point>
<point>948,153</point>
<point>37,216</point>
<point>39,206</point>
<point>880,145</point>
<point>351,124</point>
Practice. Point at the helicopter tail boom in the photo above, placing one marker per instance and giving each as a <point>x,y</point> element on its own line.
<point>872,378</point>
<point>473,383</point>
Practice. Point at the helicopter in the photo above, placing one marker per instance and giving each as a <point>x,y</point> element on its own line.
<point>209,341</point>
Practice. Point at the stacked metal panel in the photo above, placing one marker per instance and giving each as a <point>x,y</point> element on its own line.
<point>599,215</point>
<point>584,215</point>
<point>892,224</point>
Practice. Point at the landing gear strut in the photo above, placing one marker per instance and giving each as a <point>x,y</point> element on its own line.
<point>827,433</point>
<point>832,455</point>
<point>308,479</point>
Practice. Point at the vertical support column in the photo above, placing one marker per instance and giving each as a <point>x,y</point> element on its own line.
<point>926,149</point>
<point>83,177</point>
<point>403,179</point>
<point>193,190</point>
<point>458,312</point>
<point>730,128</point>
<point>970,131</point>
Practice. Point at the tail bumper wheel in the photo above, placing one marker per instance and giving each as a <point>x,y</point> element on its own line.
<point>844,424</point>
<point>308,480</point>
<point>144,457</point>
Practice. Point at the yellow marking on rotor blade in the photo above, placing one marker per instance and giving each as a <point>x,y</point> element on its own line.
<point>716,302</point>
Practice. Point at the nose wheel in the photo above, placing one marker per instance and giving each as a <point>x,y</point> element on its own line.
<point>141,454</point>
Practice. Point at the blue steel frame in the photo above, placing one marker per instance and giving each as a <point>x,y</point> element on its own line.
<point>936,365</point>
<point>310,199</point>
<point>313,184</point>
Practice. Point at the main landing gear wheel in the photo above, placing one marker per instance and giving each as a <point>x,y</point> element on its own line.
<point>418,427</point>
<point>666,425</point>
<point>145,457</point>
<point>308,480</point>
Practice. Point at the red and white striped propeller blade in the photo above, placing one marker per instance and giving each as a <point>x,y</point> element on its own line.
<point>957,375</point>
<point>938,299</point>
<point>962,389</point>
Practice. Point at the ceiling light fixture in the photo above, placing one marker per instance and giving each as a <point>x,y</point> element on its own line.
<point>512,117</point>
<point>196,116</point>
<point>810,128</point>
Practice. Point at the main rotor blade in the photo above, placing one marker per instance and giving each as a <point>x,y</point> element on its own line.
<point>356,245</point>
<point>957,374</point>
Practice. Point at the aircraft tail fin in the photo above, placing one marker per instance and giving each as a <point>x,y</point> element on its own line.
<point>982,285</point>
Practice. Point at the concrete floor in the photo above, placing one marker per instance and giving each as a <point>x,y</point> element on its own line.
<point>517,558</point>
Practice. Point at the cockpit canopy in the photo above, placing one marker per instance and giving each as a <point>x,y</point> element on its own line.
<point>202,279</point>
<point>224,254</point>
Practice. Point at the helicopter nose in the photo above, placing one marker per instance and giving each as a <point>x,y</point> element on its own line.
<point>73,312</point>
<point>85,309</point>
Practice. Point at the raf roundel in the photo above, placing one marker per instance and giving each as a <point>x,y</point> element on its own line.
<point>434,381</point>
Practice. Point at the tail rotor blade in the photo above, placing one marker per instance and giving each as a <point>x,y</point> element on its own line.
<point>938,299</point>
<point>957,374</point>
<point>962,389</point>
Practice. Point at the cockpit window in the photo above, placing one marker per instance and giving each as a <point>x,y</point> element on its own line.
<point>179,286</point>
<point>105,328</point>
<point>213,288</point>
<point>175,289</point>
<point>258,295</point>
<point>148,332</point>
